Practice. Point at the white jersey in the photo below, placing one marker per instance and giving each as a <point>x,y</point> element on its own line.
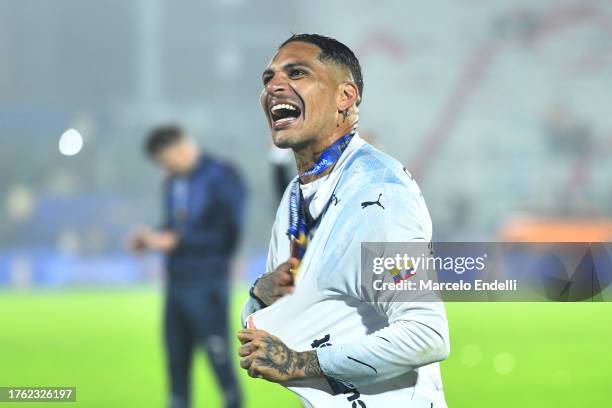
<point>373,354</point>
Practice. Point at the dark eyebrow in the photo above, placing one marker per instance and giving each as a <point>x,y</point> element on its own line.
<point>296,64</point>
<point>288,66</point>
<point>268,71</point>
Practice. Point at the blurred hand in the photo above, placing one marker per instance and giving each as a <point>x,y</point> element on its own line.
<point>164,241</point>
<point>266,356</point>
<point>274,285</point>
<point>136,242</point>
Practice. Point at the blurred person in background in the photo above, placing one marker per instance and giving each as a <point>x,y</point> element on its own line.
<point>204,200</point>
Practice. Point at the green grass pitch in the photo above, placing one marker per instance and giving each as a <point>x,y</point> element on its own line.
<point>108,344</point>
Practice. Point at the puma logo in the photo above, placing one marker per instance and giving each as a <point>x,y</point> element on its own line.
<point>377,202</point>
<point>335,199</point>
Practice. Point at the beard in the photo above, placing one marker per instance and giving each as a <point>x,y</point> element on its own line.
<point>291,140</point>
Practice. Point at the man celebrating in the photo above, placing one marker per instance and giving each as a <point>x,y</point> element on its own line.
<point>307,323</point>
<point>204,205</point>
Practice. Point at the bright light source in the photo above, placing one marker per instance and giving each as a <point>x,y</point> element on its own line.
<point>70,143</point>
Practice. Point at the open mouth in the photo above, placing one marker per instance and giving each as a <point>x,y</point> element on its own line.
<point>284,114</point>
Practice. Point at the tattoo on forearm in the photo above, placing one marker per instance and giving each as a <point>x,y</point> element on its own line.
<point>309,362</point>
<point>265,290</point>
<point>288,362</point>
<point>277,355</point>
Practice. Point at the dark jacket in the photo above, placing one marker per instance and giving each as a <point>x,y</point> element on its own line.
<point>206,209</point>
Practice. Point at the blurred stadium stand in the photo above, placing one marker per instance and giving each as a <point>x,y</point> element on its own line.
<point>499,109</point>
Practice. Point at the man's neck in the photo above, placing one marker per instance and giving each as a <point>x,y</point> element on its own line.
<point>308,155</point>
<point>192,164</point>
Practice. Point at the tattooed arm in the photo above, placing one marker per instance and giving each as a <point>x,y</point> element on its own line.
<point>266,356</point>
<point>273,285</point>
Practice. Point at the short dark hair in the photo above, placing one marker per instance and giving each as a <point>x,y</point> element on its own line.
<point>333,50</point>
<point>161,138</point>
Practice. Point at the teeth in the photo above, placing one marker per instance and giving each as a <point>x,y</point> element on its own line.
<point>283,106</point>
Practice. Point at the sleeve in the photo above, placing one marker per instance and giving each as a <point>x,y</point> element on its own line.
<point>417,332</point>
<point>230,199</point>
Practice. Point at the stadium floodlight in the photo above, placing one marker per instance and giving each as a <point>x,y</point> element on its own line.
<point>70,142</point>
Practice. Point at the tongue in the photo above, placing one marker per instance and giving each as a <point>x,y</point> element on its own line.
<point>282,114</point>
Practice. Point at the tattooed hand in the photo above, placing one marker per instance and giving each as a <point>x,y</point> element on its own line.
<point>274,285</point>
<point>266,356</point>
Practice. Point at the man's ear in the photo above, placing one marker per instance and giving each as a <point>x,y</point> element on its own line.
<point>348,96</point>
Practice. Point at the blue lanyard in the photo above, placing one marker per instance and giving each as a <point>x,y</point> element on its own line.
<point>298,229</point>
<point>329,156</point>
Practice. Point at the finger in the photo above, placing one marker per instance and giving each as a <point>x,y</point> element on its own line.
<point>254,372</point>
<point>246,335</point>
<point>252,335</point>
<point>283,290</point>
<point>293,262</point>
<point>240,338</point>
<point>246,362</point>
<point>284,278</point>
<point>286,273</point>
<point>247,349</point>
<point>289,264</point>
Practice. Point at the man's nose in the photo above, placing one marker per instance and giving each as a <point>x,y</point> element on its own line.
<point>278,83</point>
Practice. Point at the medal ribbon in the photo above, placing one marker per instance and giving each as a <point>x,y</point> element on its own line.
<point>298,226</point>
